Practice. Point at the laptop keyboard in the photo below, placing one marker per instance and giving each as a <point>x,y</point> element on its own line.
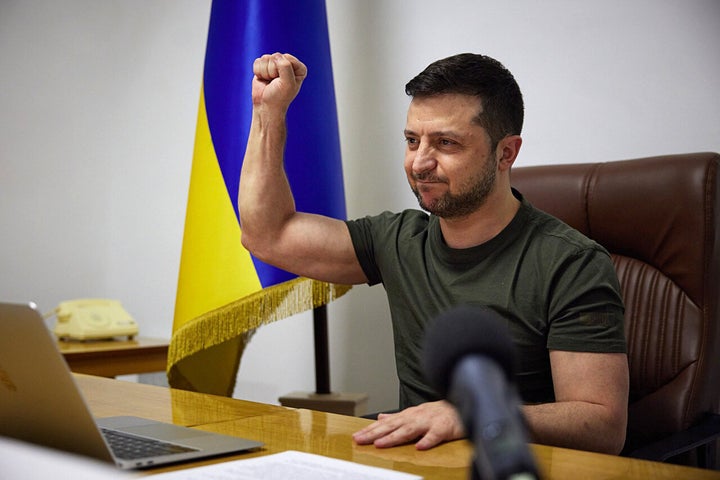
<point>129,447</point>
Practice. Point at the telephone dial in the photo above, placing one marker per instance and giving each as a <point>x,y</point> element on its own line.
<point>93,319</point>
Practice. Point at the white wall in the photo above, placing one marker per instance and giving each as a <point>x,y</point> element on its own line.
<point>98,102</point>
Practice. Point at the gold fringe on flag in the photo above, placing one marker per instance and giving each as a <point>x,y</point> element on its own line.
<point>221,335</point>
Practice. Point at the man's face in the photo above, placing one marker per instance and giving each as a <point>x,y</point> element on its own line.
<point>448,160</point>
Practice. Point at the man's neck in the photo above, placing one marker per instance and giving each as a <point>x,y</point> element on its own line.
<point>483,224</point>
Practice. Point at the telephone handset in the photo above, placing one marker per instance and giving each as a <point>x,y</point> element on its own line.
<point>93,319</point>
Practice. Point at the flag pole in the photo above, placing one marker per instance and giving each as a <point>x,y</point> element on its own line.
<point>322,357</point>
<point>322,398</point>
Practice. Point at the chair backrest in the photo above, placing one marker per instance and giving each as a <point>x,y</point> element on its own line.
<point>659,217</point>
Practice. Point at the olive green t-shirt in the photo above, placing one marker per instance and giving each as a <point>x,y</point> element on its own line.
<point>556,288</point>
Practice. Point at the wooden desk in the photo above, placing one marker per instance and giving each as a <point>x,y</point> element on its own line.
<point>283,428</point>
<point>109,358</point>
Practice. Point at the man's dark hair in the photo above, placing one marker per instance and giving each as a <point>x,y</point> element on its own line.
<point>481,76</point>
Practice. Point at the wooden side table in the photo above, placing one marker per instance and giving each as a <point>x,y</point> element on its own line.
<point>109,358</point>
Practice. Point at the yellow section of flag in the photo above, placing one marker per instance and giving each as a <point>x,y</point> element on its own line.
<point>215,270</point>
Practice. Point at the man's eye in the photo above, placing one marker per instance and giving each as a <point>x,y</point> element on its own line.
<point>411,141</point>
<point>446,142</point>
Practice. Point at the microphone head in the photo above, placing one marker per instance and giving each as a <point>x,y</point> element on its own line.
<point>462,331</point>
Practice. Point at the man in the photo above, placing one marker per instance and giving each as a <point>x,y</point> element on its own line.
<point>481,244</point>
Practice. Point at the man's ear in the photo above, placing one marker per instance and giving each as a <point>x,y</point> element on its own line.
<point>507,151</point>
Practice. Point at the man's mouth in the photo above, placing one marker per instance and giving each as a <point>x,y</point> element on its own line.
<point>427,179</point>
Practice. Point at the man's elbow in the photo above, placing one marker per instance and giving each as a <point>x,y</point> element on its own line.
<point>612,440</point>
<point>255,245</point>
<point>615,443</point>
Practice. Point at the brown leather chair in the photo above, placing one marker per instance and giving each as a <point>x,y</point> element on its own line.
<point>659,218</point>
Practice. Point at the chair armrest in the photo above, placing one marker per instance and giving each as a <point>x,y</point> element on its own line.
<point>707,430</point>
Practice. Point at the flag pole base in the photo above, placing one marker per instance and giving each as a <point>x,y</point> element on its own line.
<point>354,404</point>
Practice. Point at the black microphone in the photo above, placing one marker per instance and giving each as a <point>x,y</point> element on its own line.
<point>469,358</point>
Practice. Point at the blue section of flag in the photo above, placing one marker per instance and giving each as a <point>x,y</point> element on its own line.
<point>240,31</point>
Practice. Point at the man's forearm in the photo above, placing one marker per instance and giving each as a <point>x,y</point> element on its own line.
<point>578,425</point>
<point>265,198</point>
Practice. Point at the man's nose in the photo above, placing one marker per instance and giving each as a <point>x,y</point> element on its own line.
<point>424,159</point>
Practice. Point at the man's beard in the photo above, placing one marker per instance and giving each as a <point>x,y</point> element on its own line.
<point>463,203</point>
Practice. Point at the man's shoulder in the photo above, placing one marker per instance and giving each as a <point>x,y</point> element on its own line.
<point>407,215</point>
<point>406,219</point>
<point>551,229</point>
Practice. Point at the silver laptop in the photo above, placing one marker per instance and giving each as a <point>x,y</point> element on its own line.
<point>41,403</point>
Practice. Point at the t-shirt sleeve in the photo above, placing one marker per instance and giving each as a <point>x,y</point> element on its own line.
<point>587,312</point>
<point>362,239</point>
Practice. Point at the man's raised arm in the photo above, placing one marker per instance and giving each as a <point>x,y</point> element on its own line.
<point>309,245</point>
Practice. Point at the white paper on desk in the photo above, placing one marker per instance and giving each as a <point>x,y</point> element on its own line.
<point>289,465</point>
<point>20,461</point>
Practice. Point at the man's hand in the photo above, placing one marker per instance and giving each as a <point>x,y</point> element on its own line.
<point>432,423</point>
<point>277,80</point>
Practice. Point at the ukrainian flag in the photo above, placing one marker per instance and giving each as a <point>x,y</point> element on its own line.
<point>224,293</point>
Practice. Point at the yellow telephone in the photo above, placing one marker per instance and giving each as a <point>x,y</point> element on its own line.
<point>93,319</point>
